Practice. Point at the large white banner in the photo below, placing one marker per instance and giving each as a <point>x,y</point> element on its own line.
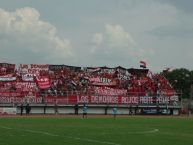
<point>33,68</point>
<point>8,110</point>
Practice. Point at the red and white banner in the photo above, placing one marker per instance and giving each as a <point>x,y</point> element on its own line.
<point>110,84</point>
<point>7,79</point>
<point>99,81</point>
<point>28,77</point>
<point>109,91</point>
<point>10,94</point>
<point>110,100</point>
<point>43,82</point>
<point>6,68</point>
<point>25,86</point>
<point>168,92</point>
<point>107,100</point>
<point>6,76</point>
<point>92,100</point>
<point>56,100</point>
<point>126,100</point>
<point>91,70</point>
<point>33,69</point>
<point>18,94</point>
<point>18,100</point>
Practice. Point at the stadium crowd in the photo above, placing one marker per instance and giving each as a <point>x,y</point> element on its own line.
<point>63,80</point>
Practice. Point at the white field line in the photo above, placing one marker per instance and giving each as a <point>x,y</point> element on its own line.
<point>134,132</point>
<point>4,127</point>
<point>55,135</point>
<point>149,131</point>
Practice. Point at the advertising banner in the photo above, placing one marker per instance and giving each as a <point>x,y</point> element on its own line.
<point>8,111</point>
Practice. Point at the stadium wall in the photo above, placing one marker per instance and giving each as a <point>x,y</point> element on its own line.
<point>98,109</point>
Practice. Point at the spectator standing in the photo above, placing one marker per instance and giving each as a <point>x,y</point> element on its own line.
<point>114,112</point>
<point>76,109</point>
<point>85,110</point>
<point>130,110</point>
<point>21,109</point>
<point>28,109</point>
<point>45,105</point>
<point>56,109</point>
<point>106,109</point>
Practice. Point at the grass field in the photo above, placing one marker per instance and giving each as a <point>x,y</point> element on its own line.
<point>96,131</point>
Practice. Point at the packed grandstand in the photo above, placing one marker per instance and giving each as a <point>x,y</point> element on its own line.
<point>62,84</point>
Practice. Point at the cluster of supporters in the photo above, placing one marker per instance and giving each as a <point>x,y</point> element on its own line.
<point>63,80</point>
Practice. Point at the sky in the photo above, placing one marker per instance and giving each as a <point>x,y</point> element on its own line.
<point>98,32</point>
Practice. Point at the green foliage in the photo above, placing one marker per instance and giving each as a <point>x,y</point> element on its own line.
<point>181,79</point>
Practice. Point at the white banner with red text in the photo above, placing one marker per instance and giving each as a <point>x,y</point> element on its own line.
<point>33,69</point>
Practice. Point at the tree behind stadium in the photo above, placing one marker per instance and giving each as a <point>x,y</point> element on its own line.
<point>181,79</point>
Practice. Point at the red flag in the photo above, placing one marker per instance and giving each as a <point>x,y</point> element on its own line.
<point>43,82</point>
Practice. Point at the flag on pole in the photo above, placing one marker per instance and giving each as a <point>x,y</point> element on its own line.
<point>167,69</point>
<point>142,64</point>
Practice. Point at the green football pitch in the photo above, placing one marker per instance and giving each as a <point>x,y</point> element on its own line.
<point>96,131</point>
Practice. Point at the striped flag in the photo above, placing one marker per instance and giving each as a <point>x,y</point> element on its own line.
<point>142,64</point>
